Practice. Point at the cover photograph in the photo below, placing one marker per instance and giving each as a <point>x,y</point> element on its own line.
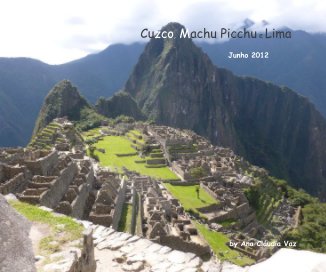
<point>163,136</point>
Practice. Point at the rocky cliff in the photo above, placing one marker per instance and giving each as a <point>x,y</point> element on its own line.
<point>16,252</point>
<point>176,84</point>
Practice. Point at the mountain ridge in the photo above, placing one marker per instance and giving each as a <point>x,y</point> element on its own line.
<point>176,84</point>
<point>25,82</point>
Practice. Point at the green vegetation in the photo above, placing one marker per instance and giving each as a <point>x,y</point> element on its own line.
<point>114,145</point>
<point>187,195</point>
<point>89,119</point>
<point>125,220</point>
<point>311,233</point>
<point>228,223</point>
<point>63,228</point>
<point>121,103</point>
<point>218,241</point>
<point>264,197</point>
<point>89,134</point>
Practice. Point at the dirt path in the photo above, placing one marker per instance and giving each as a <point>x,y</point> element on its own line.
<point>37,232</point>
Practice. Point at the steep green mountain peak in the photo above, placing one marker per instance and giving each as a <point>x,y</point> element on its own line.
<point>176,84</point>
<point>64,100</point>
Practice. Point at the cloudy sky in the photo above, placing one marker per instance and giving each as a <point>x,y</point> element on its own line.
<point>59,31</point>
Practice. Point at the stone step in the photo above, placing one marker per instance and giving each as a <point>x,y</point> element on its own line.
<point>35,192</point>
<point>37,185</point>
<point>29,199</point>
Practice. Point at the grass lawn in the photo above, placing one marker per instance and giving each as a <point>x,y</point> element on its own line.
<point>120,145</point>
<point>134,134</point>
<point>125,220</point>
<point>217,242</point>
<point>91,133</point>
<point>63,228</point>
<point>188,196</point>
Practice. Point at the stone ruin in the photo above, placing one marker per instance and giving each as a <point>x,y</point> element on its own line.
<point>108,204</point>
<point>223,176</point>
<point>163,218</point>
<point>67,182</point>
<point>63,181</point>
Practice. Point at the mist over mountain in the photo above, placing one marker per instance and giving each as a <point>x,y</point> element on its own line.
<point>176,84</point>
<point>24,83</point>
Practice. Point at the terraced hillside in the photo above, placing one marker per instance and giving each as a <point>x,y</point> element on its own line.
<point>60,133</point>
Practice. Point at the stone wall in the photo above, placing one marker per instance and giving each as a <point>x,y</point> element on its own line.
<point>156,161</point>
<point>75,260</point>
<point>52,197</point>
<point>10,171</point>
<point>140,216</point>
<point>2,174</point>
<point>238,212</point>
<point>183,183</point>
<point>210,209</point>
<point>78,205</point>
<point>86,262</point>
<point>176,242</point>
<point>101,219</point>
<point>14,185</point>
<point>135,209</point>
<point>43,166</point>
<point>209,191</point>
<point>119,204</point>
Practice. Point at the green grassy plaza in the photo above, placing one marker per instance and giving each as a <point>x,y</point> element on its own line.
<point>187,195</point>
<point>189,199</point>
<point>114,145</point>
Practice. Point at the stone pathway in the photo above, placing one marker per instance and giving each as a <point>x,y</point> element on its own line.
<point>123,252</point>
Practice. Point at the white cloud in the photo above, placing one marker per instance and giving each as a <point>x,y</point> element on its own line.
<point>60,31</point>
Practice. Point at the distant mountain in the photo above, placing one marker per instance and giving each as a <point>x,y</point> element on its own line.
<point>24,83</point>
<point>23,86</point>
<point>64,100</point>
<point>101,74</point>
<point>297,63</point>
<point>176,84</point>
